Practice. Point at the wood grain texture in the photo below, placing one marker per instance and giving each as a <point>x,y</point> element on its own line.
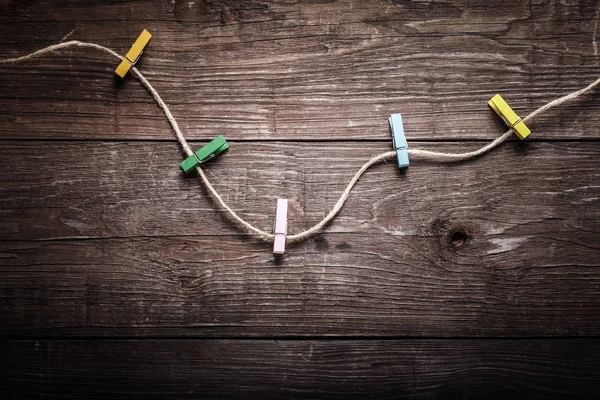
<point>95,244</point>
<point>119,276</point>
<point>258,70</point>
<point>63,190</point>
<point>226,369</point>
<point>221,286</point>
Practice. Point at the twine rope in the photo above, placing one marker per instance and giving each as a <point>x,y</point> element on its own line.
<point>425,154</point>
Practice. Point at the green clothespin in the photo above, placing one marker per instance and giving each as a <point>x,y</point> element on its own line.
<point>206,153</point>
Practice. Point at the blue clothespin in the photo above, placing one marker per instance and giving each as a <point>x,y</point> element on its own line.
<point>399,140</point>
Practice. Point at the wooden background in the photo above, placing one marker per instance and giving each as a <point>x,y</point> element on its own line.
<point>119,276</point>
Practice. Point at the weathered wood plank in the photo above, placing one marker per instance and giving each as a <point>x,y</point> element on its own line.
<point>96,244</point>
<point>225,369</point>
<point>54,190</point>
<point>270,70</point>
<point>344,285</point>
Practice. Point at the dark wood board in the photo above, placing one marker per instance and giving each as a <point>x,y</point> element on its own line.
<point>257,70</point>
<point>336,369</point>
<point>75,190</point>
<point>222,286</point>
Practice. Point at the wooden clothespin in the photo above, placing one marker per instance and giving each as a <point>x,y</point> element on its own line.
<point>280,228</point>
<point>206,153</point>
<point>133,55</point>
<point>511,119</point>
<point>399,140</point>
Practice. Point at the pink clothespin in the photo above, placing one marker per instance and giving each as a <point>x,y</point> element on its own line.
<point>280,228</point>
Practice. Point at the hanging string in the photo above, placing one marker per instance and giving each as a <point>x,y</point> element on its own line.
<point>426,154</point>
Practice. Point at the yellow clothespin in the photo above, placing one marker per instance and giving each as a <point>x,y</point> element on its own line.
<point>133,54</point>
<point>508,115</point>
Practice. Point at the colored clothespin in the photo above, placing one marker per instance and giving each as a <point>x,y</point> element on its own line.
<point>206,153</point>
<point>280,228</point>
<point>399,140</point>
<point>508,115</point>
<point>133,55</point>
